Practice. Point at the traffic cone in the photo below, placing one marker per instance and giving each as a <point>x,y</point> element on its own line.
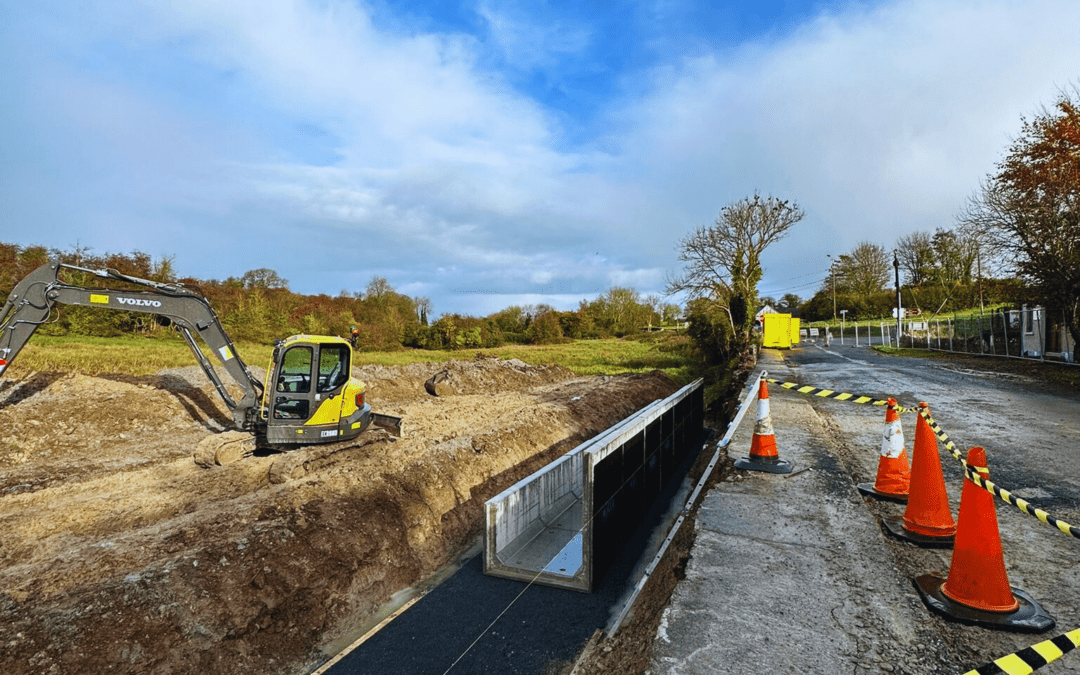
<point>927,521</point>
<point>763,455</point>
<point>977,589</point>
<point>894,473</point>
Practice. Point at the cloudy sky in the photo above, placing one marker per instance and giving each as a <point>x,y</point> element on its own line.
<point>486,153</point>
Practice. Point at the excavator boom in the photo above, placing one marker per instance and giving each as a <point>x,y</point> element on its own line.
<point>32,302</point>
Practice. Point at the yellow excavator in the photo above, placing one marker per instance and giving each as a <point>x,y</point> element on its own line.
<point>309,396</point>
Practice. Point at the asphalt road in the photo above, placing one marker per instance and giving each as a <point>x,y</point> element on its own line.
<point>795,574</point>
<point>1031,434</point>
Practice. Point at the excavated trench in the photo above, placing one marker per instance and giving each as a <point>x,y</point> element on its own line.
<point>119,553</point>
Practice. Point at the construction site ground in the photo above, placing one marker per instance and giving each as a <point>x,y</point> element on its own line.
<point>119,554</point>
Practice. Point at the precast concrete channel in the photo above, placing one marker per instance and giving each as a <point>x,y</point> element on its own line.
<point>469,622</point>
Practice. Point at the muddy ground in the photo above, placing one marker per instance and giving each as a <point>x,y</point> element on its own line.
<point>119,554</point>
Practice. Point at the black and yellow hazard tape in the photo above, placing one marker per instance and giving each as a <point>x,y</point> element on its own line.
<point>1021,504</point>
<point>821,392</point>
<point>943,437</point>
<point>973,474</point>
<point>1036,656</point>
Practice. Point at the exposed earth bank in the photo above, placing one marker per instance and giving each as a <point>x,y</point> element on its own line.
<point>118,553</point>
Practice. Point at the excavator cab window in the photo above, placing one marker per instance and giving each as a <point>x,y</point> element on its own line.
<point>294,377</point>
<point>333,367</point>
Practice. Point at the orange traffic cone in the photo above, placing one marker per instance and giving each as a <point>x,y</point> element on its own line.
<point>977,589</point>
<point>763,455</point>
<point>927,521</point>
<point>894,473</point>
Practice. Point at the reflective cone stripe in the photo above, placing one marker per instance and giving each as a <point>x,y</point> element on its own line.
<point>763,445</point>
<point>894,472</point>
<point>927,512</point>
<point>977,576</point>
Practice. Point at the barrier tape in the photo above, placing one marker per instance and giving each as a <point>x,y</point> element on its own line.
<point>1036,656</point>
<point>993,489</point>
<point>821,392</point>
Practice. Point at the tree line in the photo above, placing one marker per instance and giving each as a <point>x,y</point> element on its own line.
<point>949,269</point>
<point>259,307</point>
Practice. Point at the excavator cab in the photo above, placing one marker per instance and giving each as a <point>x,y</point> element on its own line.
<point>311,396</point>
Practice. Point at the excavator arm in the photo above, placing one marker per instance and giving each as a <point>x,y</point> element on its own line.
<point>32,302</point>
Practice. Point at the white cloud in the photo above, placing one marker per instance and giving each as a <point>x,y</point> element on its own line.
<point>532,35</point>
<point>878,122</point>
<point>445,179</point>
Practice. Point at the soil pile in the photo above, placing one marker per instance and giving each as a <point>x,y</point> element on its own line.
<point>118,553</point>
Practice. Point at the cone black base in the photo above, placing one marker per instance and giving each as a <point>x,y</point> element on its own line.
<point>770,466</point>
<point>1028,618</point>
<point>869,490</point>
<point>895,526</point>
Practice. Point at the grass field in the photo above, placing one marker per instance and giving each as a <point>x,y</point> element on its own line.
<point>972,313</point>
<point>142,356</point>
<point>904,351</point>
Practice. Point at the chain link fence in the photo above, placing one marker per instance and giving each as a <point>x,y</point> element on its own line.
<point>1027,333</point>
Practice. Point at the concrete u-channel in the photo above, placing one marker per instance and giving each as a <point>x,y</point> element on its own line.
<point>793,574</point>
<point>470,622</point>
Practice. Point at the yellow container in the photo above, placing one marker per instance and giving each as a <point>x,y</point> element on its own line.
<point>776,331</point>
<point>794,330</point>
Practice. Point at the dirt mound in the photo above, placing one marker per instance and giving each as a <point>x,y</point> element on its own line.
<point>118,553</point>
<point>480,376</point>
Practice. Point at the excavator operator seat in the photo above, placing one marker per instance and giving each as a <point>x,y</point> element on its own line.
<point>333,367</point>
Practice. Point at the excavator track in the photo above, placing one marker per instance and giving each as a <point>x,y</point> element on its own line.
<point>224,448</point>
<point>232,446</point>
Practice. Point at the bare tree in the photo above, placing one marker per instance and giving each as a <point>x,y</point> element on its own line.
<point>378,289</point>
<point>423,310</point>
<point>916,255</point>
<point>864,271</point>
<point>263,277</point>
<point>724,261</point>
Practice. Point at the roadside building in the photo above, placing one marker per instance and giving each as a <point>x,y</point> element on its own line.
<point>1043,335</point>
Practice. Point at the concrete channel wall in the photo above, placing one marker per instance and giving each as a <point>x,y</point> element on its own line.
<point>562,525</point>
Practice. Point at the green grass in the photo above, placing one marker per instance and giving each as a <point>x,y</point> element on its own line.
<point>925,316</point>
<point>143,356</point>
<point>119,355</point>
<point>903,351</point>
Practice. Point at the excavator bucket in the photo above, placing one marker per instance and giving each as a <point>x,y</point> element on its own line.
<point>388,422</point>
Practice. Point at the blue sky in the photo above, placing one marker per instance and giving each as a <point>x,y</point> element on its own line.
<point>485,154</point>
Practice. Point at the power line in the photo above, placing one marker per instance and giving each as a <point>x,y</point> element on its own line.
<point>781,291</point>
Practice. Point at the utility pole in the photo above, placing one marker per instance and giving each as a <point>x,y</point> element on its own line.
<point>899,307</point>
<point>978,258</point>
<point>832,278</point>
